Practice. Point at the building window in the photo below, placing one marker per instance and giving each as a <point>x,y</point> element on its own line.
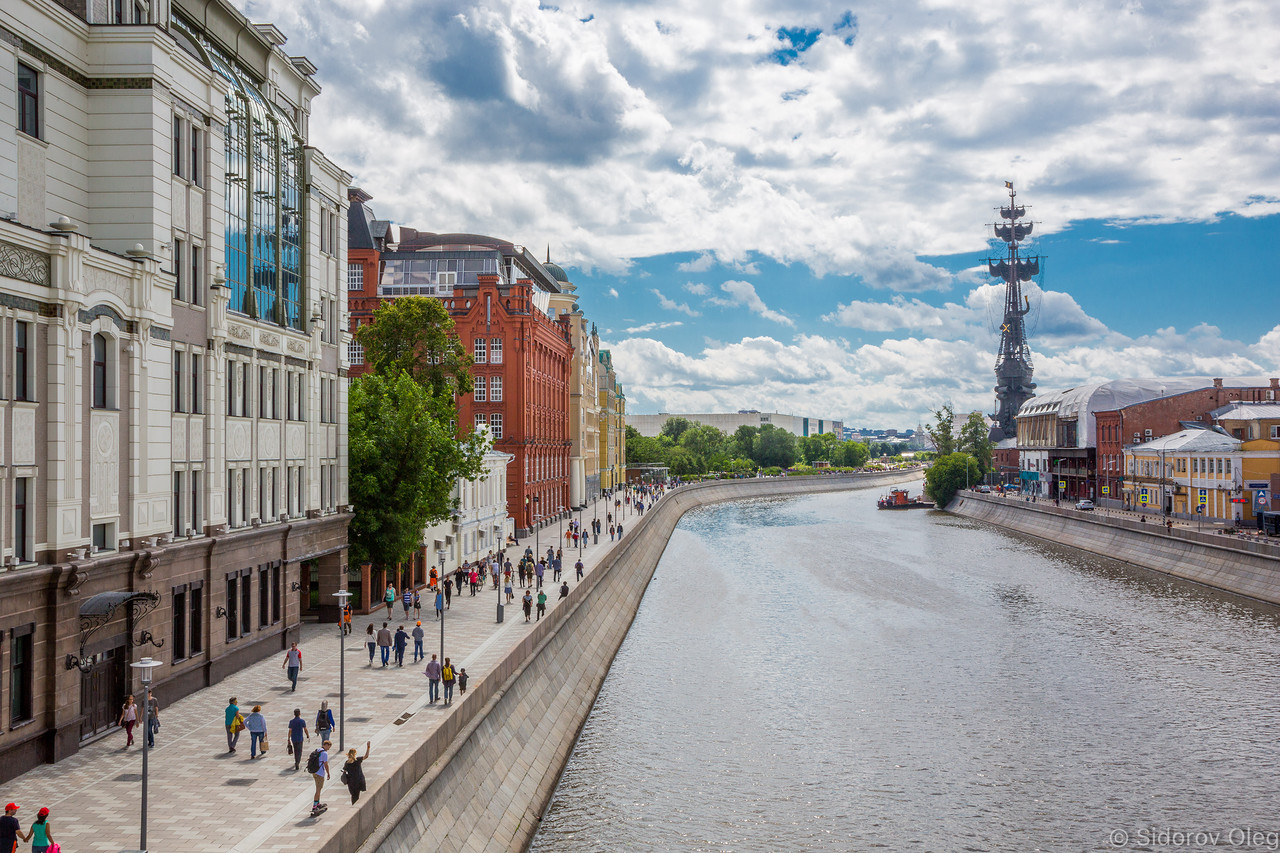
<point>480,384</point>
<point>102,538</point>
<point>233,608</point>
<point>28,100</point>
<point>481,351</point>
<point>246,601</point>
<point>197,155</point>
<point>495,425</point>
<point>178,146</point>
<point>101,397</point>
<point>197,618</point>
<point>355,276</point>
<point>21,519</point>
<point>178,404</point>
<point>495,350</point>
<point>21,676</point>
<point>495,389</point>
<point>179,271</point>
<point>177,504</point>
<point>481,420</point>
<point>355,352</point>
<point>196,395</point>
<point>21,364</point>
<point>197,274</point>
<point>264,597</point>
<point>179,623</point>
<point>276,594</point>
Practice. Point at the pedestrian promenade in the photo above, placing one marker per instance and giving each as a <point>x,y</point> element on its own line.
<point>202,798</point>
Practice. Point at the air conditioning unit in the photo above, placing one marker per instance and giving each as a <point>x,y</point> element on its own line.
<point>1137,438</point>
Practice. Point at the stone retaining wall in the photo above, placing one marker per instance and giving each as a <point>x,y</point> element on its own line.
<point>481,780</point>
<point>1249,567</point>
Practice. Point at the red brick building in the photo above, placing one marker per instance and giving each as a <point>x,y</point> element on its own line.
<point>1151,419</point>
<point>498,294</point>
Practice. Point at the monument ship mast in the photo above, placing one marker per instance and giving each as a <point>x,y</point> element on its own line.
<point>1013,361</point>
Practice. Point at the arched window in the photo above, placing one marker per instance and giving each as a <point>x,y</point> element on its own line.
<point>101,399</point>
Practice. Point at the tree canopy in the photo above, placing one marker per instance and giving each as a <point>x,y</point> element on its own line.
<point>942,432</point>
<point>948,475</point>
<point>416,335</point>
<point>689,449</point>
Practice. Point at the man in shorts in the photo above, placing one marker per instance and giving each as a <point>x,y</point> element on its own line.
<point>322,774</point>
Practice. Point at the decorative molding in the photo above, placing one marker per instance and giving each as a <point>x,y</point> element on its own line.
<point>239,350</point>
<point>240,333</point>
<point>263,355</point>
<point>96,278</point>
<point>25,264</point>
<point>160,334</point>
<point>148,561</point>
<point>238,444</point>
<point>24,436</point>
<point>296,346</point>
<point>297,362</point>
<point>129,327</point>
<point>268,339</point>
<point>21,303</point>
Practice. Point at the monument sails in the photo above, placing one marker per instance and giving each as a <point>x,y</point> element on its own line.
<point>1013,361</point>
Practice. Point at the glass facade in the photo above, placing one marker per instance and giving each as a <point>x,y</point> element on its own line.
<point>435,276</point>
<point>264,202</point>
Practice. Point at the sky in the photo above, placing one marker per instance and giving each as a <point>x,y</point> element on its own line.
<point>786,206</point>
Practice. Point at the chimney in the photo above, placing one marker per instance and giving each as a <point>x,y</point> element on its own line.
<point>1217,383</point>
<point>1275,383</point>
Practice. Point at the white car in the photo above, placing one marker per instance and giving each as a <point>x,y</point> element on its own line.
<point>1086,504</point>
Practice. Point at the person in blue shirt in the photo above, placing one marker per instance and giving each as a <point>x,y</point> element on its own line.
<point>401,641</point>
<point>297,730</point>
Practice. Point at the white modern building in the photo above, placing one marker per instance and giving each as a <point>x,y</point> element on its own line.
<point>173,402</point>
<point>480,525</point>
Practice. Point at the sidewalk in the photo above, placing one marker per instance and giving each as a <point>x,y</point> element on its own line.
<point>202,798</point>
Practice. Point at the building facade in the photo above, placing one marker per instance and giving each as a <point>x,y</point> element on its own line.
<point>174,479</point>
<point>612,432</point>
<point>584,410</point>
<point>480,524</point>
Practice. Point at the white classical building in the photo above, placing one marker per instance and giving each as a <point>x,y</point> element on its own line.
<point>173,401</point>
<point>481,524</point>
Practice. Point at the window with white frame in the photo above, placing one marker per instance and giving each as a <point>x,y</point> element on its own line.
<point>355,352</point>
<point>478,389</point>
<point>495,350</point>
<point>495,389</point>
<point>481,351</point>
<point>28,100</point>
<point>495,425</point>
<point>355,276</point>
<point>481,419</point>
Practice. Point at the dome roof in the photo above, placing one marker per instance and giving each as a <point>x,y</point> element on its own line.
<point>556,272</point>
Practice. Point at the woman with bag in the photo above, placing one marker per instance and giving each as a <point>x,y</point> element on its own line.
<point>353,771</point>
<point>371,640</point>
<point>128,718</point>
<point>257,726</point>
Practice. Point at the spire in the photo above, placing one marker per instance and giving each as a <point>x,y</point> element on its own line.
<point>1013,361</point>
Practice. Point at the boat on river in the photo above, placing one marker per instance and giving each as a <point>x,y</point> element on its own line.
<point>899,499</point>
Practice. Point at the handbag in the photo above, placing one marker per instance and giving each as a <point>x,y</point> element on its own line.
<point>289,748</point>
<point>264,746</point>
<point>54,848</point>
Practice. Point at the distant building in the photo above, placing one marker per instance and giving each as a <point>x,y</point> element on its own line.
<point>612,431</point>
<point>651,425</point>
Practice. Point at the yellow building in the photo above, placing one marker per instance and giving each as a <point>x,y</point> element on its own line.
<point>1189,473</point>
<point>612,434</point>
<point>1257,426</point>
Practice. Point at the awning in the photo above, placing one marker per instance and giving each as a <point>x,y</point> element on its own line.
<point>100,609</point>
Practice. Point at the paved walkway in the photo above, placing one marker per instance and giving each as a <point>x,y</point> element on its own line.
<point>201,798</point>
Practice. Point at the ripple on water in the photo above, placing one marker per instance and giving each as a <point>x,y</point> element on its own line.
<point>810,674</point>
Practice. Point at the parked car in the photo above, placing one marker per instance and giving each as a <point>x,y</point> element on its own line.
<point>1085,504</point>
<point>986,490</point>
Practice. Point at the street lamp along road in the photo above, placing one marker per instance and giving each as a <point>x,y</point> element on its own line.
<point>342,596</point>
<point>144,668</point>
<point>440,604</point>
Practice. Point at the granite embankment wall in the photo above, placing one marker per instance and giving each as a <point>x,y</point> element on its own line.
<point>1245,566</point>
<point>482,779</point>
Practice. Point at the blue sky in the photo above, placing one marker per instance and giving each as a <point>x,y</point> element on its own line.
<point>785,205</point>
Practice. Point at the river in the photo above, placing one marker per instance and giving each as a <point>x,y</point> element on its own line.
<point>812,674</point>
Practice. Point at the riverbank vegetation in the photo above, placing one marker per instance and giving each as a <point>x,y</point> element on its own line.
<point>963,454</point>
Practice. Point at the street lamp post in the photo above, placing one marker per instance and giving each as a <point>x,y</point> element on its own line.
<point>440,604</point>
<point>560,535</point>
<point>581,535</point>
<point>144,668</point>
<point>342,596</point>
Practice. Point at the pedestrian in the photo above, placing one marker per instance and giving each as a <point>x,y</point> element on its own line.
<point>353,771</point>
<point>401,641</point>
<point>389,598</point>
<point>408,602</point>
<point>564,590</point>
<point>448,594</point>
<point>578,567</point>
<point>527,603</point>
<point>439,604</point>
<point>575,538</point>
<point>619,532</point>
<point>153,721</point>
<point>418,636</point>
<point>293,663</point>
<point>556,566</point>
<point>257,726</point>
<point>346,620</point>
<point>475,581</point>
<point>417,605</point>
<point>539,570</point>
<point>371,640</point>
<point>612,530</point>
<point>384,644</point>
<point>521,571</point>
<point>542,604</point>
<point>128,718</point>
<point>462,681</point>
<point>297,730</point>
<point>447,677</point>
<point>39,835</point>
<point>324,722</point>
<point>10,829</point>
<point>458,575</point>
<point>507,588</point>
<point>432,673</point>
<point>321,773</point>
<point>235,723</point>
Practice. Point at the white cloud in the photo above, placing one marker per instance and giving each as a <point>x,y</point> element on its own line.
<point>697,288</point>
<point>702,263</point>
<point>653,327</point>
<point>672,305</point>
<point>613,291</point>
<point>743,293</point>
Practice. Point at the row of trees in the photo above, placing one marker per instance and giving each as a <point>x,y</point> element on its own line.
<point>963,455</point>
<point>404,451</point>
<point>690,449</point>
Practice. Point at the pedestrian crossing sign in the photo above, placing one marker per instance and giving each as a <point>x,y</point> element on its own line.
<point>1106,490</point>
<point>1203,498</point>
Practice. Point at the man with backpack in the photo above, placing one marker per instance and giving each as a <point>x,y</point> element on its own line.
<point>318,767</point>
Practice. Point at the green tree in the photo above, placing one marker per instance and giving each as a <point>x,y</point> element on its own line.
<point>404,462</point>
<point>852,454</point>
<point>943,430</point>
<point>682,463</point>
<point>775,447</point>
<point>416,335</point>
<point>676,427</point>
<point>744,441</point>
<point>948,475</point>
<point>644,450</point>
<point>975,440</point>
<point>708,444</point>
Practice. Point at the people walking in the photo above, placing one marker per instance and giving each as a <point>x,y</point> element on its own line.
<point>447,677</point>
<point>384,644</point>
<point>371,640</point>
<point>542,604</point>
<point>564,590</point>
<point>128,718</point>
<point>462,681</point>
<point>527,603</point>
<point>297,731</point>
<point>619,532</point>
<point>235,724</point>
<point>506,588</point>
<point>448,593</point>
<point>578,567</point>
<point>433,679</point>
<point>439,604</point>
<point>346,620</point>
<point>418,636</point>
<point>389,598</point>
<point>257,726</point>
<point>417,604</point>
<point>353,771</point>
<point>153,720</point>
<point>293,663</point>
<point>401,642</point>
<point>40,834</point>
<point>556,566</point>
<point>324,722</point>
<point>612,530</point>
<point>320,773</point>
<point>407,600</point>
<point>539,570</point>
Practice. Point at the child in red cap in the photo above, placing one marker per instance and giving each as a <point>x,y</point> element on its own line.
<point>10,829</point>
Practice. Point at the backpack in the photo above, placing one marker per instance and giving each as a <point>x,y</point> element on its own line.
<point>322,722</point>
<point>313,762</point>
<point>447,673</point>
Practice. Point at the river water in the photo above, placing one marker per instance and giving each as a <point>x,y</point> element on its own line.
<point>811,674</point>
